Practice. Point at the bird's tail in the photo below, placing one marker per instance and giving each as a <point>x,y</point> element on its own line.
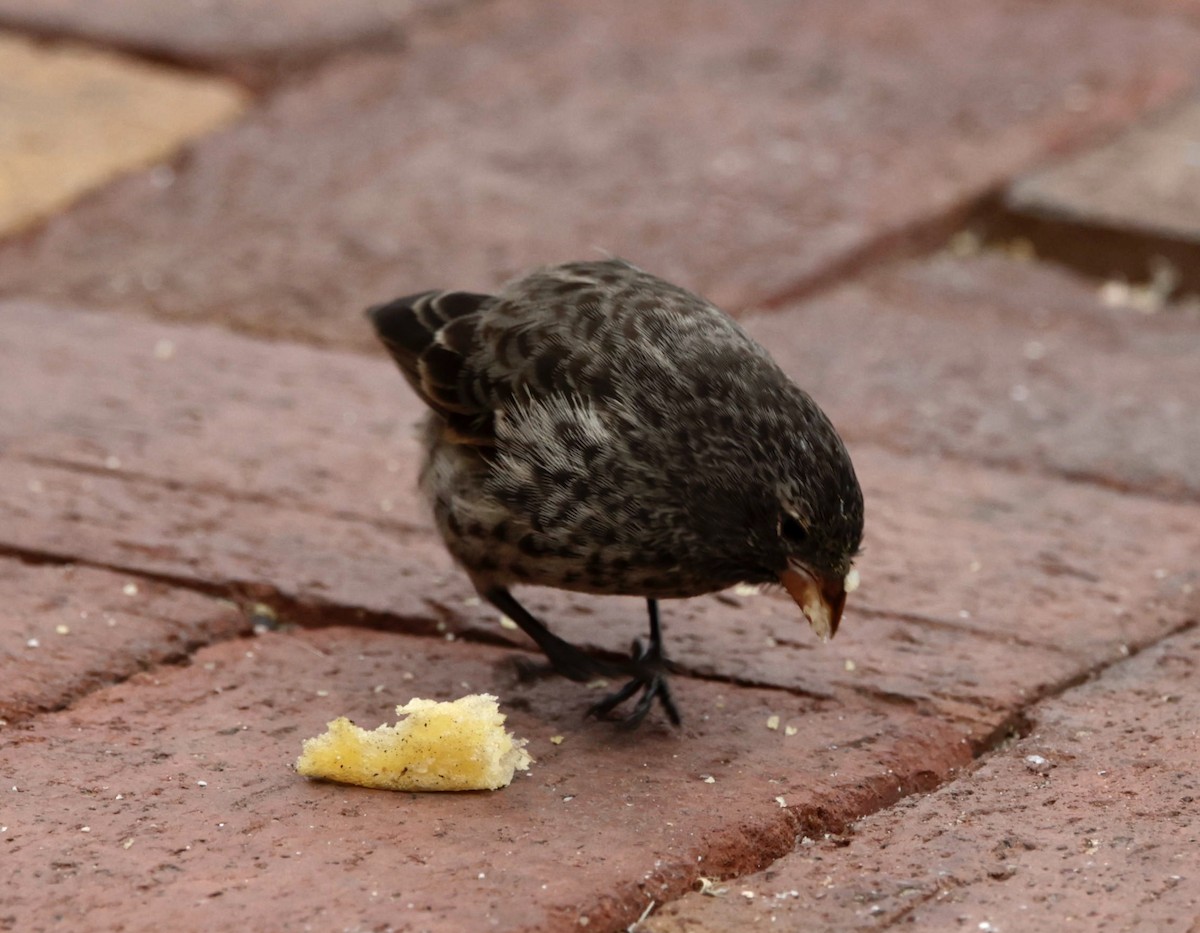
<point>429,335</point>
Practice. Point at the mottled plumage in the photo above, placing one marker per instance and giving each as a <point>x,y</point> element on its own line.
<point>595,428</point>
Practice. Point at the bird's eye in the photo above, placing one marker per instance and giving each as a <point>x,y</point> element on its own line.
<point>790,528</point>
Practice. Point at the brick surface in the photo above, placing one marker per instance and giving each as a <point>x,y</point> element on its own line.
<point>233,462</point>
<point>220,32</point>
<point>73,118</point>
<point>741,155</point>
<point>173,795</point>
<point>66,630</point>
<point>1004,361</point>
<point>1101,836</point>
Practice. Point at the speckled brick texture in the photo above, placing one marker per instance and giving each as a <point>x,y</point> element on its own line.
<point>1006,361</point>
<point>65,630</point>
<point>1090,822</point>
<point>176,791</point>
<point>740,155</point>
<point>210,544</point>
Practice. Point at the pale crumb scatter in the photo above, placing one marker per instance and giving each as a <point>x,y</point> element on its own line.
<point>32,643</point>
<point>471,601</point>
<point>127,843</point>
<point>790,730</point>
<point>130,589</point>
<point>407,675</point>
<point>709,779</point>
<point>850,665</point>
<point>506,622</point>
<point>202,783</point>
<point>598,684</point>
<point>964,244</point>
<point>378,688</point>
<point>1021,249</point>
<point>568,798</point>
<point>747,589</point>
<point>322,693</point>
<point>85,829</point>
<point>772,722</point>
<point>63,629</point>
<point>781,802</point>
<point>853,580</point>
<point>556,740</point>
<point>748,895</point>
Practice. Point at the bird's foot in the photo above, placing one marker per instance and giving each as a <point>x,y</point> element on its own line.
<point>649,669</point>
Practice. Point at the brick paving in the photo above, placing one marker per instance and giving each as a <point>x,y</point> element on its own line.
<point>210,545</point>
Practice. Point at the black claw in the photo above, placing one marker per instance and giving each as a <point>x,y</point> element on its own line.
<point>647,666</point>
<point>649,669</point>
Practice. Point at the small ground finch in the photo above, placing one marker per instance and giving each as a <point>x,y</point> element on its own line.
<point>595,428</point>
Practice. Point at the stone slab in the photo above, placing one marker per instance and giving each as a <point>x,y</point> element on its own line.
<point>67,630</point>
<point>173,795</point>
<point>743,156</point>
<point>1098,830</point>
<point>230,464</point>
<point>73,118</point>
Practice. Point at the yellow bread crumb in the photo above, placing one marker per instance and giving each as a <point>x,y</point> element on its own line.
<point>461,745</point>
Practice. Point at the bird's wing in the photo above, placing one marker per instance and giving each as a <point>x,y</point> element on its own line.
<point>604,331</point>
<point>430,336</point>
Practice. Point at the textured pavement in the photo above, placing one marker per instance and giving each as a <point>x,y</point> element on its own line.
<point>209,539</point>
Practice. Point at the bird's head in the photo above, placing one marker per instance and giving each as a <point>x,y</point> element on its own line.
<point>811,517</point>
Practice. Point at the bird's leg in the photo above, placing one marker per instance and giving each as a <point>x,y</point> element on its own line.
<point>568,660</point>
<point>650,667</point>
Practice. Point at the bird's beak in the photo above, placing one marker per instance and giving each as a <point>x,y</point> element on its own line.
<point>821,598</point>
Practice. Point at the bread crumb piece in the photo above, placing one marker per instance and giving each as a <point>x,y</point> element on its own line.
<point>460,745</point>
<point>772,722</point>
<point>556,740</point>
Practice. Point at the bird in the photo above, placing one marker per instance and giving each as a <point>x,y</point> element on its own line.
<point>594,428</point>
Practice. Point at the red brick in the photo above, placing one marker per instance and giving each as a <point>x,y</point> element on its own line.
<point>1102,836</point>
<point>742,155</point>
<point>235,468</point>
<point>1008,362</point>
<point>65,631</point>
<point>174,791</point>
